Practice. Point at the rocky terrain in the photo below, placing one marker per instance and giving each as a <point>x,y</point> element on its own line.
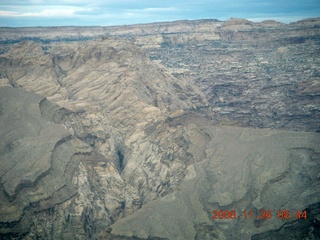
<point>141,132</point>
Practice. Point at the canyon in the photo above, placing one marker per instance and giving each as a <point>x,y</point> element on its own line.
<point>143,131</point>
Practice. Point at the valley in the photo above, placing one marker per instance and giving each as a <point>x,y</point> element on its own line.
<point>142,131</point>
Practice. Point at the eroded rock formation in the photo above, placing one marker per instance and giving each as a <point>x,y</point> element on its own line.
<point>142,136</point>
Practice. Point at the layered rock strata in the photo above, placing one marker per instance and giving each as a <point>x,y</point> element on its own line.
<point>117,138</point>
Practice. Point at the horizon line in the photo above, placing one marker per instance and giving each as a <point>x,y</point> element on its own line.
<point>159,22</point>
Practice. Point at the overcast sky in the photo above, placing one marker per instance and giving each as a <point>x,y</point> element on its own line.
<point>119,12</point>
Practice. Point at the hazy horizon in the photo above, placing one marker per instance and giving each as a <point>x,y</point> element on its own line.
<point>33,13</point>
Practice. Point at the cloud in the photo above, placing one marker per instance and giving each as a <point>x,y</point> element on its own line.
<point>148,12</point>
<point>8,14</point>
<point>169,9</point>
<point>49,11</point>
<point>118,12</point>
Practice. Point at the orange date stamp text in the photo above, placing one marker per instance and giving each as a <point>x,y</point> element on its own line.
<point>262,214</point>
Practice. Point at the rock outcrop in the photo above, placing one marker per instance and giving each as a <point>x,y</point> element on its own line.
<point>53,185</point>
<point>254,74</point>
<point>145,131</point>
<point>244,169</point>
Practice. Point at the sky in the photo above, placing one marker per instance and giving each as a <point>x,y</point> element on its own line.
<point>21,13</point>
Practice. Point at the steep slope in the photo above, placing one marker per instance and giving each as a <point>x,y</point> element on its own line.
<point>91,66</point>
<point>244,169</point>
<point>108,76</point>
<point>111,108</point>
<point>237,64</point>
<point>112,85</point>
<point>52,183</point>
<point>254,74</point>
<point>75,192</point>
<point>132,151</point>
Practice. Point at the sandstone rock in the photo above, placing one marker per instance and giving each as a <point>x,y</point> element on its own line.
<point>131,136</point>
<point>245,169</point>
<point>52,183</point>
<point>256,74</point>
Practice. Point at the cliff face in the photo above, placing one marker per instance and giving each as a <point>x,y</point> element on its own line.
<point>254,74</point>
<point>117,138</point>
<point>43,167</point>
